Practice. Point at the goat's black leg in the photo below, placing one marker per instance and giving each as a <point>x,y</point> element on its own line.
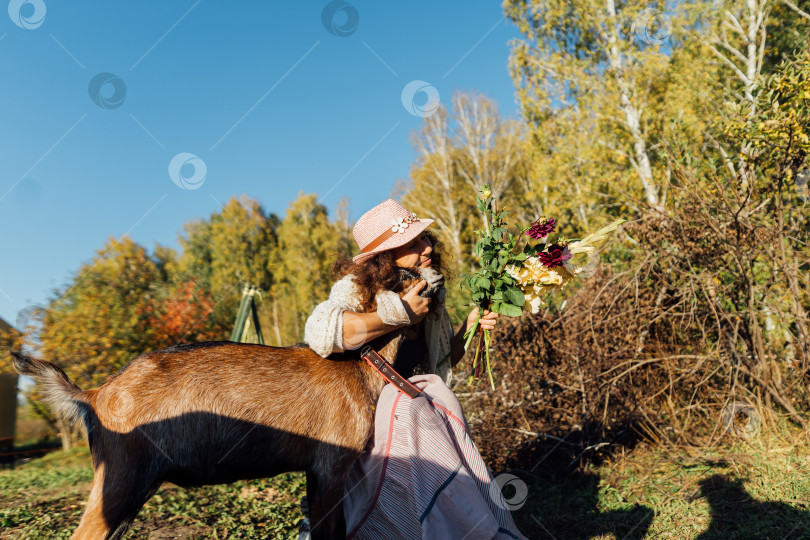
<point>117,495</point>
<point>325,501</point>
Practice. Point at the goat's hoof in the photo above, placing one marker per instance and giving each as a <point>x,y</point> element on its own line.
<point>303,530</point>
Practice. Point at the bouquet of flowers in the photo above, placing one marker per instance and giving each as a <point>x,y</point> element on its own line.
<point>511,281</point>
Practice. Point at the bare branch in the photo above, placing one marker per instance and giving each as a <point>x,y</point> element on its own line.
<point>795,8</point>
<point>730,64</point>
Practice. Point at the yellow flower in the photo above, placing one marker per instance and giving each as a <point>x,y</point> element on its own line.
<point>534,272</point>
<point>536,280</point>
<point>533,302</point>
<point>516,273</point>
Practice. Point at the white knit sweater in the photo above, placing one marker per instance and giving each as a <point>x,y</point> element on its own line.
<point>324,328</point>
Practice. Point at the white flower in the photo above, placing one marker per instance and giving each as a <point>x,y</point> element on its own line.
<point>533,271</point>
<point>513,271</point>
<point>536,280</point>
<point>533,303</point>
<point>399,225</point>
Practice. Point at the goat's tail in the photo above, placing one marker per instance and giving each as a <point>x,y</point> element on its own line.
<point>65,398</point>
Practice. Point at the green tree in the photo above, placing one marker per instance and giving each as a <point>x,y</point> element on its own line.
<point>787,30</point>
<point>220,254</point>
<point>93,326</point>
<point>308,245</point>
<point>601,84</point>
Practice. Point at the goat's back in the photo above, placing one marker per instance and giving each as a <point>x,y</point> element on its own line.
<point>197,402</point>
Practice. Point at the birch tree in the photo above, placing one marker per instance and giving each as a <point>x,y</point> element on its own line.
<point>457,153</point>
<point>489,145</point>
<point>739,39</point>
<point>435,185</point>
<point>601,62</point>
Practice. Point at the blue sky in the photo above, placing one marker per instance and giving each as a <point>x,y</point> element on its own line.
<point>262,93</point>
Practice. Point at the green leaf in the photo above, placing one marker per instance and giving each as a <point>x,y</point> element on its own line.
<point>515,296</point>
<point>513,311</point>
<point>508,309</point>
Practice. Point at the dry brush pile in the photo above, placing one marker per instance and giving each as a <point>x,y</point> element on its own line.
<point>704,306</point>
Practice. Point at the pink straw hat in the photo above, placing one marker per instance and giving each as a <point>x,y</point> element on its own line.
<point>386,226</point>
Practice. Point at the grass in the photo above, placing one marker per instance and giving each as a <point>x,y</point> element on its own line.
<point>741,489</point>
<point>44,498</point>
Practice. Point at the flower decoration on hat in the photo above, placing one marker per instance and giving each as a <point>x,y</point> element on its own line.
<point>399,225</point>
<point>386,226</point>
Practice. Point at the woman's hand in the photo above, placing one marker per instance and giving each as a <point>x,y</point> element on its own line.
<point>487,322</point>
<point>416,306</point>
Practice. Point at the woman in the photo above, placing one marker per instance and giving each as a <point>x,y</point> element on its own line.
<point>422,476</point>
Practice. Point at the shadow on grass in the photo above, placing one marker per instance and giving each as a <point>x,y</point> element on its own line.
<point>565,507</point>
<point>562,501</point>
<point>737,515</point>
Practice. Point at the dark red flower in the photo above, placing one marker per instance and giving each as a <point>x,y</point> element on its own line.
<point>542,228</point>
<point>557,255</point>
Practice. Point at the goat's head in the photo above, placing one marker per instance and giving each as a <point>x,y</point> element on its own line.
<point>388,345</point>
<point>434,290</point>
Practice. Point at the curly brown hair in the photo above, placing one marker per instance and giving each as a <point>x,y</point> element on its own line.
<point>381,273</point>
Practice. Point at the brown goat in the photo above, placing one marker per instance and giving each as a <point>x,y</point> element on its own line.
<point>218,412</point>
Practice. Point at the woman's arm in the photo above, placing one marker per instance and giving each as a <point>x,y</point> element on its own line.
<point>360,328</point>
<point>487,322</point>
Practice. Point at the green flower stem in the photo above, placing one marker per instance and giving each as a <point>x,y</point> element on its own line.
<point>470,333</point>
<point>486,220</point>
<point>479,359</point>
<point>519,238</point>
<point>495,221</point>
<point>487,338</point>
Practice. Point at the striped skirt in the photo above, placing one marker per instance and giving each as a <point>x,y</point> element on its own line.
<point>422,476</point>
